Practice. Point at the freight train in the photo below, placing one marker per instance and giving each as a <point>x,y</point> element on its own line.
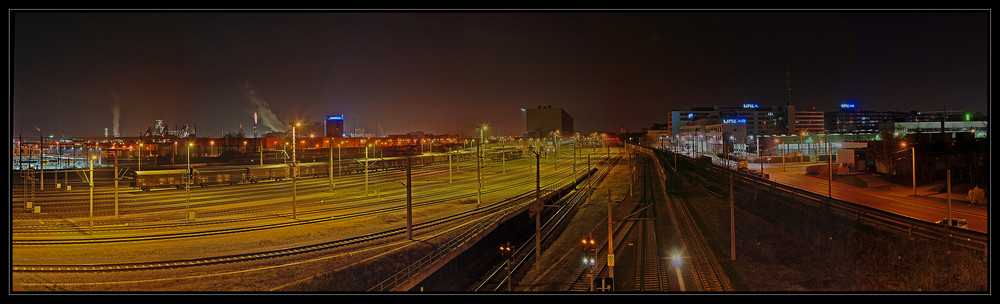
<point>216,175</point>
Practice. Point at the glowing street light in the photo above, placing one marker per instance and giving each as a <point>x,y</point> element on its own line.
<point>140,157</point>
<point>187,183</point>
<point>913,157</point>
<point>294,169</point>
<point>92,194</point>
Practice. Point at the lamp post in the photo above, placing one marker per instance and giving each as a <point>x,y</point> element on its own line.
<point>555,148</point>
<point>92,195</point>
<point>330,146</point>
<point>829,166</point>
<point>913,156</point>
<point>140,157</point>
<point>366,168</point>
<point>479,166</point>
<point>913,171</point>
<point>759,160</point>
<point>294,170</point>
<point>783,150</point>
<point>187,184</point>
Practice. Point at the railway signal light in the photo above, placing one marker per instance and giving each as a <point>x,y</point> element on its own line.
<point>506,250</point>
<point>588,246</point>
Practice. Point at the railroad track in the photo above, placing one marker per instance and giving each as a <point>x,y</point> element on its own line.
<point>322,207</point>
<point>251,256</point>
<point>650,275</point>
<point>498,279</point>
<point>704,268</point>
<point>257,255</point>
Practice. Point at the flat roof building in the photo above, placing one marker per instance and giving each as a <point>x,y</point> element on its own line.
<point>542,121</point>
<point>334,125</point>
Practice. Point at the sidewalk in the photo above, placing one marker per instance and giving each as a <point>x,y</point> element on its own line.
<point>870,182</point>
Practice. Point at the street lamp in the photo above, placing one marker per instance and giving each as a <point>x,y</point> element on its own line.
<point>479,165</point>
<point>366,168</point>
<point>140,157</point>
<point>294,169</point>
<point>187,183</point>
<point>782,150</point>
<point>913,171</point>
<point>92,194</point>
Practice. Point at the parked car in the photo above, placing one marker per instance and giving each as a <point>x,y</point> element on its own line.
<point>955,222</point>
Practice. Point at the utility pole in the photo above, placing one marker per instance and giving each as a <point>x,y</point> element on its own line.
<point>294,171</point>
<point>760,160</point>
<point>187,184</point>
<point>914,173</point>
<point>116,186</point>
<point>41,164</point>
<point>366,168</point>
<point>732,220</point>
<point>409,200</point>
<point>949,197</point>
<point>611,248</point>
<point>330,143</point>
<point>538,204</point>
<point>91,195</point>
<point>829,166</point>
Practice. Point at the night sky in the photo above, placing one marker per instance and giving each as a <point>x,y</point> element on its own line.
<point>449,71</point>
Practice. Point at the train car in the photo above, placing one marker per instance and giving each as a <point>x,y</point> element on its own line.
<point>219,175</point>
<point>351,167</point>
<point>267,172</point>
<point>313,169</point>
<point>504,154</point>
<point>146,180</point>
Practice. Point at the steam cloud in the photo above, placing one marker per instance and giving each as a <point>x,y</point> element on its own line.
<point>116,111</point>
<point>267,117</point>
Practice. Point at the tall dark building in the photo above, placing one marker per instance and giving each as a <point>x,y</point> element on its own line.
<point>544,120</point>
<point>334,125</point>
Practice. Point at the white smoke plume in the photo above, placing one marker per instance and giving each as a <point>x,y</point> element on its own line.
<point>116,111</point>
<point>267,117</point>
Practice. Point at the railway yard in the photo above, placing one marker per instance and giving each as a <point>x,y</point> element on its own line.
<point>251,237</point>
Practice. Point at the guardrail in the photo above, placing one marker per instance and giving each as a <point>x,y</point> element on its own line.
<point>911,226</point>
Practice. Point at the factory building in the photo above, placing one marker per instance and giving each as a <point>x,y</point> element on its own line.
<point>542,121</point>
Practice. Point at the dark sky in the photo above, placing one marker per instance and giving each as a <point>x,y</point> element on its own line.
<point>448,71</point>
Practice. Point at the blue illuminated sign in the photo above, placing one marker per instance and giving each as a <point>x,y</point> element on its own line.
<point>848,105</point>
<point>690,115</point>
<point>735,120</point>
<point>751,106</point>
<point>338,117</point>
